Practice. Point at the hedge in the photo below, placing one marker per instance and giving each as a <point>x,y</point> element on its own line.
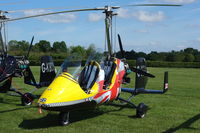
<point>58,62</point>
<point>168,64</point>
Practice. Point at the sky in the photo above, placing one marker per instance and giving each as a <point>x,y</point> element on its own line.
<point>143,29</point>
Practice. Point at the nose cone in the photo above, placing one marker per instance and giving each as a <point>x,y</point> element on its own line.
<point>64,90</point>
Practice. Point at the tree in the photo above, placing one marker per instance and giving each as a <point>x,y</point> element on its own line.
<point>23,45</point>
<point>42,46</point>
<point>79,50</point>
<point>189,58</point>
<point>197,57</point>
<point>190,51</point>
<point>153,56</point>
<point>140,54</point>
<point>130,55</point>
<point>170,56</point>
<point>90,50</point>
<point>179,57</point>
<point>175,56</point>
<point>13,45</point>
<point>59,46</point>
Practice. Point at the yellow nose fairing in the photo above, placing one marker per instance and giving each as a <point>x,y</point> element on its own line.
<point>65,90</point>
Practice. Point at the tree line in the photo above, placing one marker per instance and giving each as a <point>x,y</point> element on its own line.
<point>185,55</point>
<point>59,50</point>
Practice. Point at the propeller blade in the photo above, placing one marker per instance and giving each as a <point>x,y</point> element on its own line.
<point>29,49</point>
<point>121,47</point>
<point>52,13</point>
<point>142,72</point>
<point>154,5</point>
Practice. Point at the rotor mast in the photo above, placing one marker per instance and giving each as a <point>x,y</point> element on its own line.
<point>108,27</point>
<point>2,29</point>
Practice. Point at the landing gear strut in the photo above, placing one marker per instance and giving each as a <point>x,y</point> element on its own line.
<point>64,118</point>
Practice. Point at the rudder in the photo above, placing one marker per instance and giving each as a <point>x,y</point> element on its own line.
<point>141,80</point>
<point>47,71</point>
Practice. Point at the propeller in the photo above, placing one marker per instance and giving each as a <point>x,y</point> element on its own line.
<point>29,49</point>
<point>133,69</point>
<point>139,71</point>
<point>120,46</point>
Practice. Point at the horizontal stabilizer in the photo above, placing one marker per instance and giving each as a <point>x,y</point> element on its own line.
<point>147,91</point>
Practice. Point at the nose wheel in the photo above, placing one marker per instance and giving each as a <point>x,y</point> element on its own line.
<point>27,99</point>
<point>141,110</point>
<point>64,118</point>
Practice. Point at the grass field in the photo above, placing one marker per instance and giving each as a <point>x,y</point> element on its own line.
<point>176,111</point>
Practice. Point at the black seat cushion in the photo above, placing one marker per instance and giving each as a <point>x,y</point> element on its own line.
<point>109,68</point>
<point>88,76</point>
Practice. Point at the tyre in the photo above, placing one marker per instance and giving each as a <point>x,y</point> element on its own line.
<point>141,110</point>
<point>64,118</point>
<point>27,99</point>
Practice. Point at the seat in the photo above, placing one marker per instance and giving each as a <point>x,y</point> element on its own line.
<point>88,76</point>
<point>109,67</point>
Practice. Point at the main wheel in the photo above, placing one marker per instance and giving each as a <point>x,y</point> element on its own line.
<point>141,110</point>
<point>64,118</point>
<point>27,99</point>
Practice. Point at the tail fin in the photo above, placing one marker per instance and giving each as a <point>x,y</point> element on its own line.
<point>141,80</point>
<point>47,71</point>
<point>147,91</point>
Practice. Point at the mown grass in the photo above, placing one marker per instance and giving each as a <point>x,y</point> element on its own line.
<point>175,111</point>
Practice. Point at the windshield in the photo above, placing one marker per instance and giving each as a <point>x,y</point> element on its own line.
<point>95,56</point>
<point>71,65</point>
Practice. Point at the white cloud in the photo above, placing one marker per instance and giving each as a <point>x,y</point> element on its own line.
<point>181,46</point>
<point>181,1</point>
<point>58,18</point>
<point>149,16</point>
<point>198,39</point>
<point>175,1</point>
<point>154,43</point>
<point>94,17</point>
<point>192,26</point>
<point>123,13</point>
<point>141,31</point>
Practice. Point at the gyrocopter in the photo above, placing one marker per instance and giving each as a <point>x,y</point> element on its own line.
<point>98,82</point>
<point>18,66</point>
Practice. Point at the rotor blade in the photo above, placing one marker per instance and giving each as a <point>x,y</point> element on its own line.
<point>45,14</point>
<point>141,72</point>
<point>154,5</point>
<point>14,3</point>
<point>29,49</point>
<point>48,8</point>
<point>121,47</point>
